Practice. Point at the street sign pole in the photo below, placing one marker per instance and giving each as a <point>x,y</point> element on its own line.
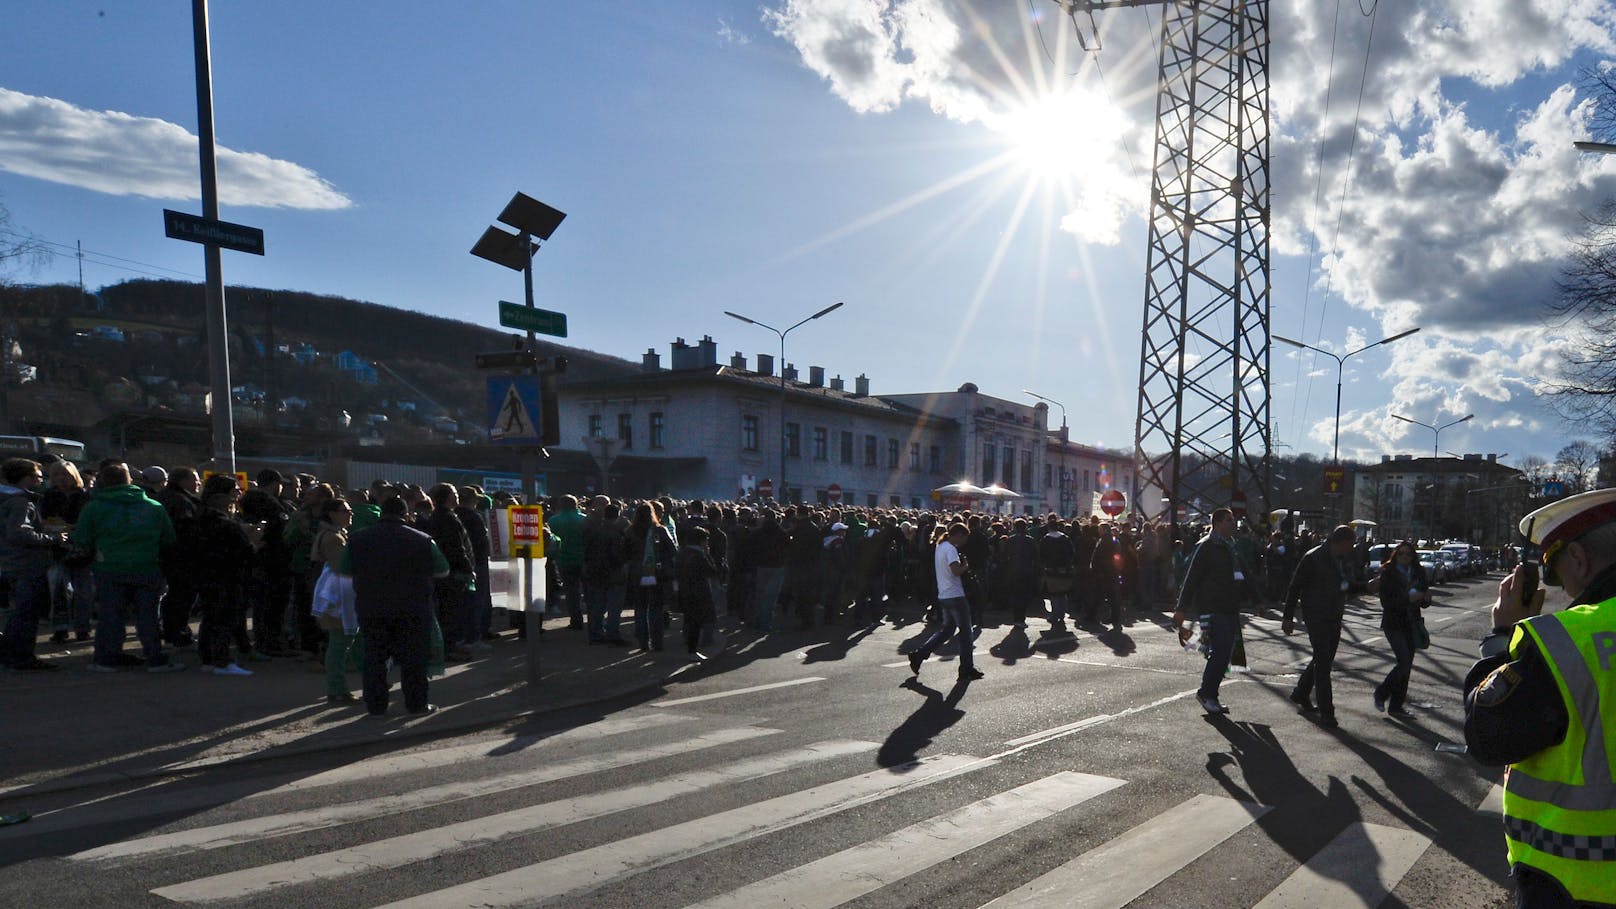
<point>533,618</point>
<point>224,435</point>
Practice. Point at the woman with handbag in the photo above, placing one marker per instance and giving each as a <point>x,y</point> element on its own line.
<point>333,600</point>
<point>1403,593</point>
<point>649,589</point>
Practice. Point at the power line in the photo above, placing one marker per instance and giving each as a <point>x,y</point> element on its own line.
<point>72,251</point>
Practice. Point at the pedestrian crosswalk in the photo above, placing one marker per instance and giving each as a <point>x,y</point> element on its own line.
<point>671,789</point>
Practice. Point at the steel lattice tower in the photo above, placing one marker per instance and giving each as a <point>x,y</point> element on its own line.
<point>1203,419</point>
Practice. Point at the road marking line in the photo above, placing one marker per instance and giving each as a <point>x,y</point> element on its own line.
<point>244,831</point>
<point>395,852</point>
<point>1069,728</point>
<point>863,869</point>
<point>1493,802</point>
<point>729,694</point>
<point>1115,874</point>
<point>1360,867</point>
<point>1120,666</point>
<point>588,869</point>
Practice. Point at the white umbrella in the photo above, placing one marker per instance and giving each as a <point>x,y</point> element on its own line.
<point>963,490</point>
<point>999,492</point>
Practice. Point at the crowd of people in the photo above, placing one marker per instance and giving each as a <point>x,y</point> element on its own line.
<point>269,571</point>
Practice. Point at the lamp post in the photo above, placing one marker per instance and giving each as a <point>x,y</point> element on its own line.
<point>1063,439</point>
<point>784,495</point>
<point>1340,365</point>
<point>1437,440</point>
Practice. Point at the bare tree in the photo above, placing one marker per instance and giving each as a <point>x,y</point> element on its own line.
<point>19,250</point>
<point>1536,470</point>
<point>1577,463</point>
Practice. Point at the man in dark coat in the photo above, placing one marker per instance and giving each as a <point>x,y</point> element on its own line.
<point>26,549</point>
<point>181,500</point>
<point>453,593</point>
<point>393,567</point>
<point>1319,586</point>
<point>1214,586</point>
<point>1023,572</point>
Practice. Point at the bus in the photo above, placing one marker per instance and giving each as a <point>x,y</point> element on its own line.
<point>34,446</point>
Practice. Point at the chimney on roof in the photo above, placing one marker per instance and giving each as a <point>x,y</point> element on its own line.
<point>861,386</point>
<point>707,349</point>
<point>789,372</point>
<point>683,356</point>
<point>651,361</point>
<point>816,376</point>
<point>765,364</point>
<point>1385,459</point>
<point>738,361</point>
<point>1492,458</point>
<point>837,384</point>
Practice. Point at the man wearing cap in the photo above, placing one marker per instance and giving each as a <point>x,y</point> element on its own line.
<point>1543,701</point>
<point>1319,586</point>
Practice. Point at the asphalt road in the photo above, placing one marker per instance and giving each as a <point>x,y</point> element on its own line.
<point>1078,773</point>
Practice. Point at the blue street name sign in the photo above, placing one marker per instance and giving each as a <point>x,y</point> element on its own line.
<point>515,416</point>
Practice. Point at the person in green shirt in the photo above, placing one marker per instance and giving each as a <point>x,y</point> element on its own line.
<point>127,530</point>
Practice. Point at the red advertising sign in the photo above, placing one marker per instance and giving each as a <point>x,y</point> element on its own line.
<point>526,526</point>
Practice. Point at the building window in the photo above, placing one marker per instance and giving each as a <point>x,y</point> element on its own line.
<point>988,452</point>
<point>936,459</point>
<point>892,454</point>
<point>1009,467</point>
<point>1086,481</point>
<point>1026,471</point>
<point>794,440</point>
<point>655,440</point>
<point>749,432</point>
<point>872,500</point>
<point>914,455</point>
<point>595,431</point>
<point>869,451</point>
<point>625,430</point>
<point>847,447</point>
<point>895,501</point>
<point>1049,475</point>
<point>821,444</point>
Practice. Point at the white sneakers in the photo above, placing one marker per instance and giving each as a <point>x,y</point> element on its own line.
<point>232,669</point>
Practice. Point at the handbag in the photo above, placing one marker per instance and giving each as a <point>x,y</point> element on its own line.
<point>1419,634</point>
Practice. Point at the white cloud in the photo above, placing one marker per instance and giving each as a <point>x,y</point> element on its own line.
<point>125,155</point>
<point>729,34</point>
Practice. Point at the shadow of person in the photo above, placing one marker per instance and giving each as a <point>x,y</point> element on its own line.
<point>837,648</point>
<point>935,714</point>
<point>1120,642</point>
<point>1013,647</point>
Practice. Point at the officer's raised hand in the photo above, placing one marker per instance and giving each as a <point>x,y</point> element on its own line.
<point>1509,609</point>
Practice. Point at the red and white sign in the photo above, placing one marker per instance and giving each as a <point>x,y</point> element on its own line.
<point>765,487</point>
<point>1113,502</point>
<point>1237,503</point>
<point>834,492</point>
<point>526,525</point>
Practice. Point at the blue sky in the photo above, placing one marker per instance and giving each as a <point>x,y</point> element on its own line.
<point>774,158</point>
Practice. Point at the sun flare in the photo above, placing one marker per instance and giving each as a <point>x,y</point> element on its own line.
<point>1069,135</point>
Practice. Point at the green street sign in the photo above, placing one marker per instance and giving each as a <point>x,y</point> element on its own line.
<point>527,318</point>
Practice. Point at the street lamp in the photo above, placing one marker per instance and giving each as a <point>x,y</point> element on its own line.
<point>784,496</point>
<point>1435,442</point>
<point>1340,365</point>
<point>1063,438</point>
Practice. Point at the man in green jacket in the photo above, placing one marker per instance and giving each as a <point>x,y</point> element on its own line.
<point>568,526</point>
<point>127,530</point>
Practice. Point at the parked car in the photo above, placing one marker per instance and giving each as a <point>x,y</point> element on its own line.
<point>1469,557</point>
<point>1438,566</point>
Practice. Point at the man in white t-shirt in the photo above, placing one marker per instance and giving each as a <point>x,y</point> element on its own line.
<point>950,567</point>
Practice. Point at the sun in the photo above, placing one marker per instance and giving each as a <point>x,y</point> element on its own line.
<point>1063,136</point>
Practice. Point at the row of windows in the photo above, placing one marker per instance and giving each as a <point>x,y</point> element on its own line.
<point>625,429</point>
<point>1008,475</point>
<point>1049,479</point>
<point>821,447</point>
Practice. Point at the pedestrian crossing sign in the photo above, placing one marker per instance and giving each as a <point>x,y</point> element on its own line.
<point>514,410</point>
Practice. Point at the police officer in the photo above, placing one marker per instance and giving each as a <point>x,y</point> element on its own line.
<point>1559,793</point>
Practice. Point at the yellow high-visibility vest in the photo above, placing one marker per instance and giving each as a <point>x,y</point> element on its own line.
<point>1560,804</point>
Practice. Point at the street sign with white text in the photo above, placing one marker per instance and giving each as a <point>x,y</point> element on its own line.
<point>529,318</point>
<point>178,225</point>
